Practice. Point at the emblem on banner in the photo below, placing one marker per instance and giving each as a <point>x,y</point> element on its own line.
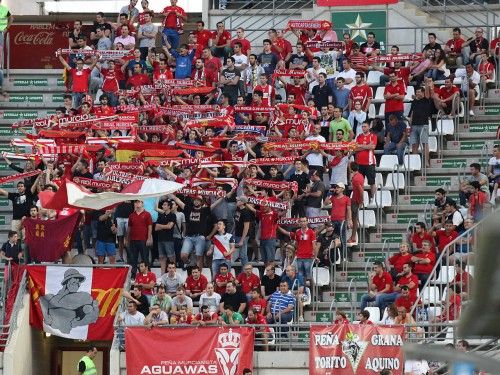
<point>354,349</point>
<point>228,352</point>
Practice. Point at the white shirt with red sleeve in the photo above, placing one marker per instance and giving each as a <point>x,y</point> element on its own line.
<point>268,94</point>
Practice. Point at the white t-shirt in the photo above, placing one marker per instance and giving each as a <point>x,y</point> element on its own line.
<point>495,163</point>
<point>315,158</point>
<point>133,320</point>
<point>212,301</point>
<point>416,367</point>
<point>328,62</point>
<point>239,61</point>
<point>351,73</point>
<point>339,172</point>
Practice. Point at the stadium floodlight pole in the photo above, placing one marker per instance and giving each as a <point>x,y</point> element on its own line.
<point>440,354</point>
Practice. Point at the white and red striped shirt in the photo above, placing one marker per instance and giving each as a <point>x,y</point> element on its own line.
<point>222,244</point>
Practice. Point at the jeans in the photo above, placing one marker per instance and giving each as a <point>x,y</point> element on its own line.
<point>282,329</point>
<point>365,298</point>
<point>435,74</point>
<point>393,148</point>
<point>216,263</point>
<point>268,250</point>
<point>341,230</point>
<point>221,51</point>
<point>135,248</point>
<point>193,242</point>
<point>77,99</point>
<point>172,37</point>
<point>243,251</point>
<point>386,299</point>
<point>304,267</point>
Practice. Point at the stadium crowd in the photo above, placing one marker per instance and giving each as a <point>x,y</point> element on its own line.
<point>265,139</point>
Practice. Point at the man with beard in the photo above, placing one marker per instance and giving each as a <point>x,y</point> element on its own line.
<point>243,220</point>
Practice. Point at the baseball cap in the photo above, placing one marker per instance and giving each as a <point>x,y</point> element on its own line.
<point>339,184</point>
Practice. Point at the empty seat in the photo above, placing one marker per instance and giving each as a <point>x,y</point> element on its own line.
<point>410,92</point>
<point>207,272</point>
<point>379,180</point>
<point>383,198</point>
<point>412,162</point>
<point>367,218</point>
<point>278,271</point>
<point>321,276</point>
<point>255,271</point>
<point>157,272</point>
<point>470,269</point>
<point>430,295</point>
<point>182,275</point>
<point>445,126</point>
<point>379,95</point>
<point>433,144</point>
<point>406,109</point>
<point>374,314</point>
<point>381,110</point>
<point>387,163</point>
<point>395,181</point>
<point>371,111</point>
<point>446,275</point>
<point>373,78</point>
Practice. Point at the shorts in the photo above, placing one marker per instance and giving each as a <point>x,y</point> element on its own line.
<point>419,134</point>
<point>368,171</point>
<point>166,249</point>
<point>105,248</point>
<point>304,267</point>
<point>354,209</point>
<point>193,242</point>
<point>121,226</point>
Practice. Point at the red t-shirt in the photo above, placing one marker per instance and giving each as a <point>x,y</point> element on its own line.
<point>285,45</point>
<point>110,81</point>
<point>402,73</point>
<point>219,278</point>
<point>398,260</point>
<point>381,281</point>
<point>145,279</point>
<point>161,76</point>
<point>304,240</point>
<point>339,208</point>
<point>245,45</point>
<point>465,279</point>
<point>495,44</point>
<point>138,80</point>
<point>268,94</point>
<point>268,224</point>
<point>406,302</point>
<point>366,157</point>
<point>259,305</point>
<point>417,239</point>
<point>248,283</point>
<point>444,239</point>
<point>138,225</point>
<point>425,268</point>
<point>357,181</point>
<point>392,105</point>
<point>361,94</point>
<point>445,93</point>
<point>212,67</point>
<point>80,79</point>
<point>405,280</point>
<point>171,20</point>
<point>455,45</point>
<point>202,37</point>
<point>476,204</point>
<point>225,36</point>
<point>196,286</point>
<point>298,91</point>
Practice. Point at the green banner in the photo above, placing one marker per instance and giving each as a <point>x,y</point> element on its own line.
<point>359,24</point>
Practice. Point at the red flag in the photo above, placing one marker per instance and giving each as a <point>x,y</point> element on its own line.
<point>48,240</point>
<point>350,349</point>
<point>75,302</point>
<point>216,350</point>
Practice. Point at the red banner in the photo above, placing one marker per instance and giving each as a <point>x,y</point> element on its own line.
<point>342,3</point>
<point>398,57</point>
<point>19,176</point>
<point>310,24</point>
<point>216,350</point>
<point>350,349</point>
<point>48,240</point>
<point>75,302</point>
<point>91,183</point>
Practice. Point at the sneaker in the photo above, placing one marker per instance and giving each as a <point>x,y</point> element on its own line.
<point>471,113</point>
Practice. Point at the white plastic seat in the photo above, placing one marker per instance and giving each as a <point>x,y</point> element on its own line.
<point>373,78</point>
<point>395,180</point>
<point>379,180</point>
<point>379,95</point>
<point>307,293</point>
<point>383,198</point>
<point>233,272</point>
<point>182,275</point>
<point>446,275</point>
<point>385,315</point>
<point>256,272</point>
<point>157,272</point>
<point>271,339</point>
<point>278,271</point>
<point>461,110</point>
<point>470,269</point>
<point>412,162</point>
<point>431,295</point>
<point>433,144</point>
<point>207,272</point>
<point>381,110</point>
<point>374,314</point>
<point>433,311</point>
<point>321,276</point>
<point>445,126</point>
<point>369,220</point>
<point>406,108</point>
<point>410,91</point>
<point>371,111</point>
<point>387,163</point>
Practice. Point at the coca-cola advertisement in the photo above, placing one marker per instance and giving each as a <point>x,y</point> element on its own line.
<point>34,46</point>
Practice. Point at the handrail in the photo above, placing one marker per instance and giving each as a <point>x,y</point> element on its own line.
<point>352,300</point>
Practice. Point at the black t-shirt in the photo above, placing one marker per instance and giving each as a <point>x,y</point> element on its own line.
<point>440,205</point>
<point>483,44</point>
<point>123,210</point>
<point>166,234</point>
<point>301,179</point>
<point>104,233</point>
<point>241,216</point>
<point>21,204</point>
<point>421,111</point>
<point>316,201</point>
<point>433,48</point>
<point>234,300</point>
<point>85,175</point>
<point>197,219</point>
<point>143,307</point>
<point>321,95</point>
<point>364,47</point>
<point>231,90</point>
<point>11,251</point>
<point>270,285</point>
<point>296,59</point>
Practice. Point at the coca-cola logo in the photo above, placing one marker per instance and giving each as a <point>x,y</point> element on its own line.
<point>41,38</point>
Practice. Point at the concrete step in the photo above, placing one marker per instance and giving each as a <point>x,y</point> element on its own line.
<point>431,189</point>
<point>469,145</point>
<point>476,135</point>
<point>325,316</point>
<point>30,100</point>
<point>418,199</point>
<point>34,84</point>
<point>397,227</point>
<point>391,237</point>
<point>375,247</point>
<point>434,181</point>
<point>478,127</point>
<point>7,117</point>
<point>364,257</point>
<point>402,218</point>
<point>468,153</point>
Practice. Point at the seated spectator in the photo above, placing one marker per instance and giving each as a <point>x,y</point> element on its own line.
<point>146,280</point>
<point>196,283</point>
<point>465,185</point>
<point>221,41</point>
<point>406,299</point>
<point>392,313</point>
<point>162,299</point>
<point>364,317</point>
<point>418,70</point>
<point>453,49</point>
<point>470,84</point>
<point>270,281</point>
<point>181,300</point>
<point>451,307</point>
<point>433,45</point>
<point>156,317</point>
<point>221,279</point>
<point>447,98</point>
<point>474,47</point>
<point>465,244</point>
<point>125,39</point>
<point>420,234</point>
<point>398,260</point>
<point>444,236</point>
<point>247,280</point>
<point>262,332</point>
<point>230,317</point>
<point>439,204</point>
<point>424,262</point>
<point>280,309</point>
<point>140,299</point>
<point>437,69</point>
<point>452,213</point>
<point>478,200</point>
<point>171,280</point>
<point>406,279</point>
<point>486,70</point>
<point>371,47</point>
<point>233,298</point>
<point>340,317</point>
<point>183,317</point>
<point>379,284</point>
<point>341,96</point>
<point>462,278</point>
<point>256,302</point>
<point>395,138</point>
<point>206,317</point>
<point>210,298</point>
<point>402,73</point>
<point>131,317</point>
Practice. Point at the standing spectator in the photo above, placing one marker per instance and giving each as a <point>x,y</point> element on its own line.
<point>140,299</point>
<point>243,222</point>
<point>106,237</point>
<point>452,213</point>
<point>173,23</point>
<point>379,284</point>
<point>22,201</point>
<point>122,213</point>
<point>147,35</point>
<point>348,73</point>
<point>247,280</point>
<point>314,194</point>
<point>246,49</point>
<point>357,185</point>
<point>79,78</point>
<point>233,298</point>
<point>358,60</point>
<point>171,280</point>
<point>477,201</point>
<point>365,156</point>
<point>139,235</point>
<point>221,41</point>
<point>361,92</point>
<point>183,60</point>
<point>424,262</point>
<point>102,40</point>
<point>470,85</point>
<point>394,94</point>
<point>252,77</point>
<point>341,95</point>
<point>306,247</point>
<point>280,46</point>
<point>395,138</point>
<point>322,93</point>
<point>196,283</point>
<point>313,156</point>
<point>146,280</point>
<point>340,123</point>
<point>299,60</point>
<point>75,34</point>
<point>474,47</point>
<point>222,247</point>
<point>230,81</point>
<point>280,309</point>
<point>420,113</point>
<point>212,67</point>
<point>432,46</point>
<point>125,39</point>
<point>11,250</point>
<point>270,281</point>
<point>164,228</point>
<point>268,225</point>
<point>267,59</point>
<point>222,278</point>
<point>131,11</point>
